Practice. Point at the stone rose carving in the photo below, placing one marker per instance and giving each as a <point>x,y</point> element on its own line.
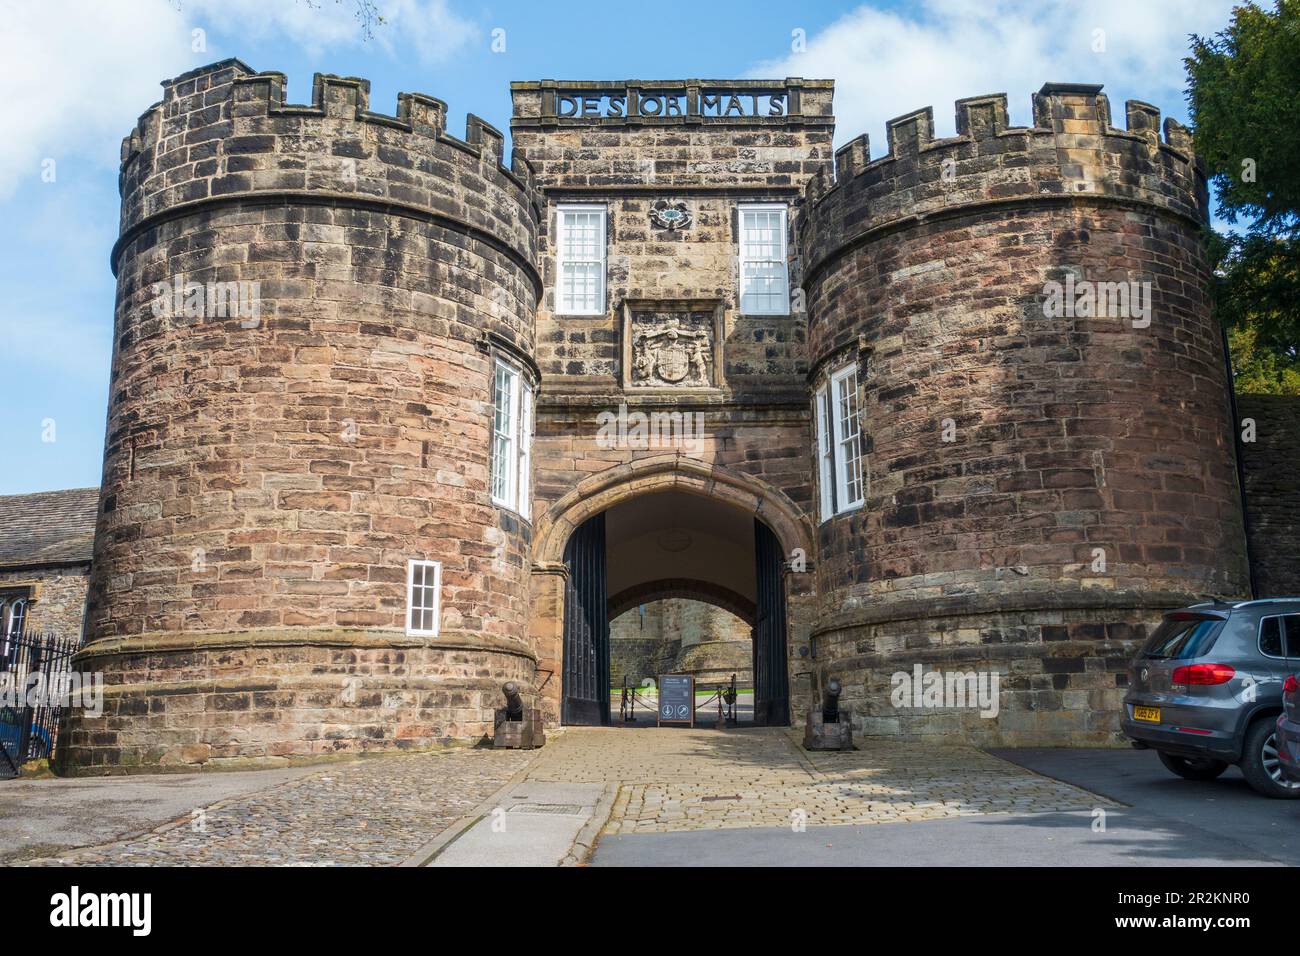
<point>670,215</point>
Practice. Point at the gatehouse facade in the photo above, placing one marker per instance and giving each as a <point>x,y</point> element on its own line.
<point>394,420</point>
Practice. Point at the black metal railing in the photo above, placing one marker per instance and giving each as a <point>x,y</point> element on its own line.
<point>33,669</point>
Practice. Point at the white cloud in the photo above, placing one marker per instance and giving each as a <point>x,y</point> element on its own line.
<point>430,28</point>
<point>79,72</point>
<point>427,28</point>
<point>77,76</point>
<point>887,62</point>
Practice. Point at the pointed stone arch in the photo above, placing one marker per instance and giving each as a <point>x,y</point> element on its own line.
<point>646,476</point>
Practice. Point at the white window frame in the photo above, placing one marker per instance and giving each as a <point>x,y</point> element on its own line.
<point>513,444</point>
<point>565,306</point>
<point>746,255</point>
<point>825,454</point>
<point>11,607</point>
<point>525,457</point>
<point>843,440</point>
<point>411,607</point>
<point>834,442</point>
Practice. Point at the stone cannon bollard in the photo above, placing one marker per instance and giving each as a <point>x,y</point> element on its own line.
<point>516,725</point>
<point>829,727</point>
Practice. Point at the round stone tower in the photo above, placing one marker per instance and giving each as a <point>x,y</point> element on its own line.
<point>1047,449</point>
<point>312,302</point>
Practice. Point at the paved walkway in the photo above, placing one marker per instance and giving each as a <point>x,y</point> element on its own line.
<point>531,824</point>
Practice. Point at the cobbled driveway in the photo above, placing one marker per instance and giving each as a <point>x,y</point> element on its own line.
<point>376,811</point>
<point>679,779</point>
<point>381,810</point>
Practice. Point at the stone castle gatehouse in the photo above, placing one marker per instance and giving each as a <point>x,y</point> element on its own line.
<point>959,406</point>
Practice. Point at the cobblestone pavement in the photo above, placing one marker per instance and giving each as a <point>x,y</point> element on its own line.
<point>679,779</point>
<point>380,810</point>
<point>376,811</point>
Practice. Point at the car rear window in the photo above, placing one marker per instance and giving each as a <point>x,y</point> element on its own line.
<point>1183,637</point>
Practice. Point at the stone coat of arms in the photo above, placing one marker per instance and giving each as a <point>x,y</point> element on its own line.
<point>671,355</point>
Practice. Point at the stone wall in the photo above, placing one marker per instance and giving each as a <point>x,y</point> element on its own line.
<point>1039,487</point>
<point>1272,476</point>
<point>57,598</point>
<point>678,636</point>
<point>638,647</point>
<point>755,410</point>
<point>267,477</point>
<point>756,414</point>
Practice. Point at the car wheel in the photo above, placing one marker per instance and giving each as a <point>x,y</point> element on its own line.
<point>1260,765</point>
<point>1193,768</point>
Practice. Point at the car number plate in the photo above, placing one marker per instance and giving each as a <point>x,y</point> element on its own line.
<point>1151,714</point>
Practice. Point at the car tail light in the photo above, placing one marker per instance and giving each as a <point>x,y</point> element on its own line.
<point>1203,674</point>
<point>1291,686</point>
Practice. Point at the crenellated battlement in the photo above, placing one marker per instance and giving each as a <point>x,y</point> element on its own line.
<point>1072,150</point>
<point>225,131</point>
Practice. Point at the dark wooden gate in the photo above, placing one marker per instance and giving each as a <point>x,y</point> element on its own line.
<point>586,627</point>
<point>771,680</point>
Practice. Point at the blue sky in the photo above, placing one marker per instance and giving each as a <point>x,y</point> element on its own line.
<point>78,72</point>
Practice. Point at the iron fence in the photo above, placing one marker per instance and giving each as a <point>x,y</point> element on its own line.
<point>29,721</point>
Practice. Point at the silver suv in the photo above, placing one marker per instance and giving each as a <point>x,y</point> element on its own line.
<point>1206,690</point>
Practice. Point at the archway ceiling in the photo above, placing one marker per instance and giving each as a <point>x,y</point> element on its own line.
<point>673,534</point>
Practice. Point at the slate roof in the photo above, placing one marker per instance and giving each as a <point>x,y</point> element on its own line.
<point>49,527</point>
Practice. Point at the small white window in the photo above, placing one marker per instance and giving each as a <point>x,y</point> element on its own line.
<point>17,618</point>
<point>423,586</point>
<point>13,615</point>
<point>839,444</point>
<point>512,426</point>
<point>580,260</point>
<point>764,281</point>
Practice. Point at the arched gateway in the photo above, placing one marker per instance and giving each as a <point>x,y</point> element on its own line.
<point>656,527</point>
<point>649,354</point>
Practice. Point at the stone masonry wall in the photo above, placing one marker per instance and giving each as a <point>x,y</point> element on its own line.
<point>678,636</point>
<point>627,166</point>
<point>1272,470</point>
<point>267,477</point>
<point>755,414</point>
<point>58,598</point>
<point>1039,488</point>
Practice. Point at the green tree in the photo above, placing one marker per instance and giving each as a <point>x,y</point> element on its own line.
<point>1244,95</point>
